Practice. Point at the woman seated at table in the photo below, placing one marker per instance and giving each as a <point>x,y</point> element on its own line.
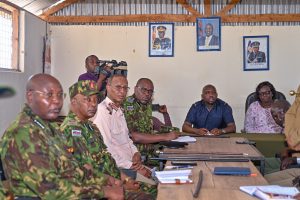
<point>258,116</point>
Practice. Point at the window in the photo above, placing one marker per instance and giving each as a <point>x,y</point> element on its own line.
<point>9,37</point>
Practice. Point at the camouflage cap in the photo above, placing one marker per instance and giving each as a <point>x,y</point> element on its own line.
<point>6,91</point>
<point>86,88</point>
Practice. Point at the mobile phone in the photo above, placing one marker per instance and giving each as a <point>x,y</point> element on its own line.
<point>155,107</point>
<point>184,163</point>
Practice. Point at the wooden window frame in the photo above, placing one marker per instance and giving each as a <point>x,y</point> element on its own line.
<point>15,36</point>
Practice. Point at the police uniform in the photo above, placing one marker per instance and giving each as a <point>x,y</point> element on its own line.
<point>37,162</point>
<point>258,57</point>
<point>162,43</point>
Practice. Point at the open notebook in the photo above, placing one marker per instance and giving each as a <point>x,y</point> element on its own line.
<point>174,176</point>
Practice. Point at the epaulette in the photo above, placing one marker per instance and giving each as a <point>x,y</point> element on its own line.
<point>130,99</point>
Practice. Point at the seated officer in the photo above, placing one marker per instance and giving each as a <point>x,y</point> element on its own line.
<point>210,116</point>
<point>35,159</point>
<point>138,114</point>
<point>4,92</point>
<point>85,138</point>
<point>286,177</point>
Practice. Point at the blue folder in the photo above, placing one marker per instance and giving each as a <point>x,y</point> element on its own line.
<point>244,171</point>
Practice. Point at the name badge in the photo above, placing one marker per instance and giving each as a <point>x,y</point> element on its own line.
<point>76,133</point>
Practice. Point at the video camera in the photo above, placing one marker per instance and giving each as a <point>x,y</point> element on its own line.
<point>116,67</point>
<point>113,64</point>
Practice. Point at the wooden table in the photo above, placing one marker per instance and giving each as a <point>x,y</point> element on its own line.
<point>216,148</point>
<point>214,186</point>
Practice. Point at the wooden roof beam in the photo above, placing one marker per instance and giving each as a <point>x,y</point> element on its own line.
<point>56,8</point>
<point>227,8</point>
<point>122,18</point>
<point>188,7</point>
<point>262,18</point>
<point>207,8</point>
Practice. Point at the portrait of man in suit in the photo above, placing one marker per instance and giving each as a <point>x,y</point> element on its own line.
<point>209,34</point>
<point>209,39</point>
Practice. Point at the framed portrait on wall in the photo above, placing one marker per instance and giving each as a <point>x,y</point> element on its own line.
<point>208,34</point>
<point>161,39</point>
<point>256,52</point>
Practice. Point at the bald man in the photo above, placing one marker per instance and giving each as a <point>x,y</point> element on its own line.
<point>210,116</point>
<point>36,161</point>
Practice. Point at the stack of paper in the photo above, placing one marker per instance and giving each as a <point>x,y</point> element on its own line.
<point>185,139</point>
<point>174,176</point>
<point>270,191</point>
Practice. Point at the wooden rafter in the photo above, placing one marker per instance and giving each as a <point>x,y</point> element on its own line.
<point>172,18</point>
<point>262,18</point>
<point>188,7</point>
<point>227,8</point>
<point>207,8</point>
<point>56,8</point>
<point>122,18</point>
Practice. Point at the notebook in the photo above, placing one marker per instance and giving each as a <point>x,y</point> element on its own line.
<point>244,171</point>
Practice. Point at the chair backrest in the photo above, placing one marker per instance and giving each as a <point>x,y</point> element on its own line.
<point>252,97</point>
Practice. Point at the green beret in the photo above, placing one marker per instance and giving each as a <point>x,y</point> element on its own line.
<point>86,88</point>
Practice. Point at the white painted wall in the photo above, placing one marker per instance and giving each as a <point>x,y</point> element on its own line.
<point>32,32</point>
<point>179,80</point>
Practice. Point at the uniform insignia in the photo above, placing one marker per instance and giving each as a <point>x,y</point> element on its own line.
<point>130,108</point>
<point>72,122</point>
<point>130,99</point>
<point>76,133</point>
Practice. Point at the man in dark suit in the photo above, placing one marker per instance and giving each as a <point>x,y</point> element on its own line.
<point>256,56</point>
<point>209,39</point>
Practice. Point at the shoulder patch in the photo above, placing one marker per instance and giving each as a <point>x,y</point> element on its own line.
<point>76,133</point>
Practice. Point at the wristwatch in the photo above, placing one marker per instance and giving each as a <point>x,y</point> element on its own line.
<point>223,131</point>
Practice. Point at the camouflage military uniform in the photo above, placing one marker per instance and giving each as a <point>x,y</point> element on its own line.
<point>88,147</point>
<point>37,164</point>
<point>2,193</point>
<point>139,119</point>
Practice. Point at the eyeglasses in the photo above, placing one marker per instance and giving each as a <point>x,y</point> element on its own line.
<point>264,93</point>
<point>145,90</point>
<point>119,88</point>
<point>50,95</point>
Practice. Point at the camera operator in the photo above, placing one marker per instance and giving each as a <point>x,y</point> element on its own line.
<point>93,73</point>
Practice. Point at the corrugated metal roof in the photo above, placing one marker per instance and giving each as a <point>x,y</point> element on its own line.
<point>36,7</point>
<point>132,7</point>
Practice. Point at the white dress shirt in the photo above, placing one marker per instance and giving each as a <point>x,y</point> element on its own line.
<point>112,124</point>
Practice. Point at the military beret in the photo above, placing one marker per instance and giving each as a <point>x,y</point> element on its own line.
<point>255,44</point>
<point>86,88</point>
<point>161,28</point>
<point>6,91</point>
